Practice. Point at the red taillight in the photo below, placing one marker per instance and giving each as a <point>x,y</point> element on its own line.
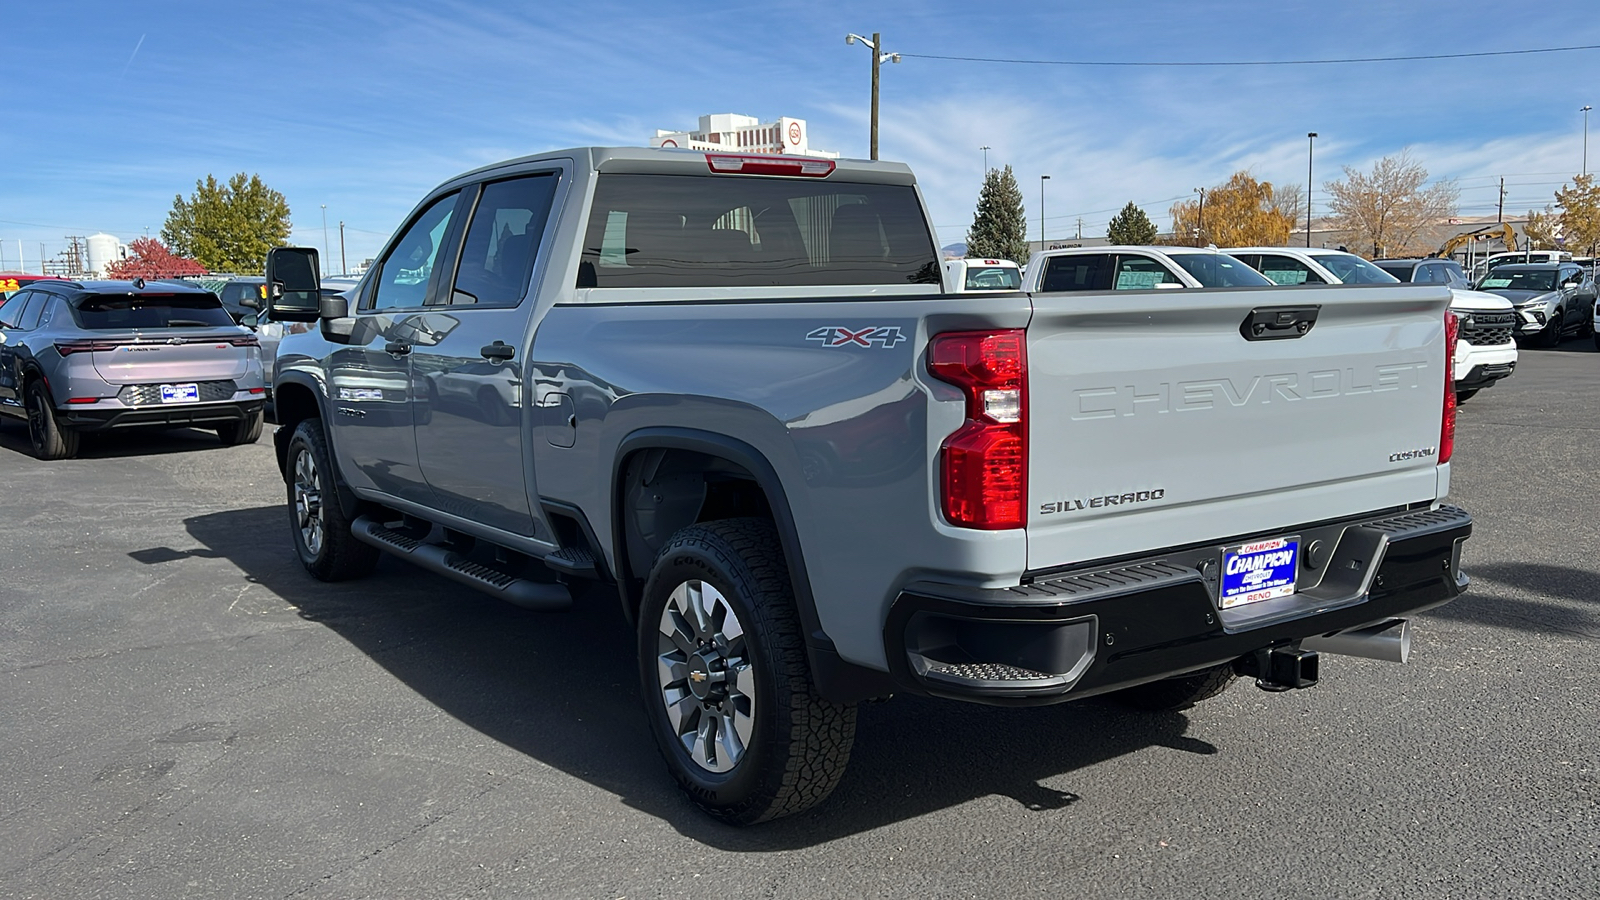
<point>251,341</point>
<point>67,348</point>
<point>1447,429</point>
<point>984,465</point>
<point>260,390</point>
<point>730,164</point>
<point>73,400</point>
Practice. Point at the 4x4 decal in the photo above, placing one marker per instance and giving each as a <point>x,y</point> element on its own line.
<point>884,336</point>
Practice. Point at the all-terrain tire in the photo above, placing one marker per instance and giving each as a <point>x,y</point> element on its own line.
<point>49,439</point>
<point>243,431</point>
<point>798,743</point>
<point>317,524</point>
<point>1182,692</point>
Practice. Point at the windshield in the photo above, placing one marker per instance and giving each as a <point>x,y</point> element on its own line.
<point>994,278</point>
<point>1352,269</point>
<point>1220,270</point>
<point>111,311</point>
<point>1500,279</point>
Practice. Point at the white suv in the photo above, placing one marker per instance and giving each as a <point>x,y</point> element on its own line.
<point>1486,350</point>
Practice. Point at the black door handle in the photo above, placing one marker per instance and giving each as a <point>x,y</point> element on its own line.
<point>398,348</point>
<point>498,350</point>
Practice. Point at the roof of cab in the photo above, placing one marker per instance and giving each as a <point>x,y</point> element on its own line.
<point>679,161</point>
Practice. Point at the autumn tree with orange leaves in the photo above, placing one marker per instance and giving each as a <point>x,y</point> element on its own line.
<point>1241,212</point>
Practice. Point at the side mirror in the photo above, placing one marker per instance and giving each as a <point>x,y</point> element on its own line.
<point>293,286</point>
<point>333,306</point>
<point>250,303</point>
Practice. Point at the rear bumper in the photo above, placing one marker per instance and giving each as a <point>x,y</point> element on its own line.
<point>1481,376</point>
<point>1093,631</point>
<point>199,415</point>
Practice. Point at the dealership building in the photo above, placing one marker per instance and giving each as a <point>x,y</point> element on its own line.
<point>744,134</point>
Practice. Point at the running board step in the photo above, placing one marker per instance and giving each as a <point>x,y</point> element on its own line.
<point>523,592</point>
<point>577,562</point>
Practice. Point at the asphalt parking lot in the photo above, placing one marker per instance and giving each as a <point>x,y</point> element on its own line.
<point>186,713</point>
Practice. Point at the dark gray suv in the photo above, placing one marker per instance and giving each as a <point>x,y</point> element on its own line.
<point>1552,300</point>
<point>96,355</point>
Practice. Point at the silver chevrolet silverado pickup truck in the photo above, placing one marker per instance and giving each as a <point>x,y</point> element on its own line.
<point>733,389</point>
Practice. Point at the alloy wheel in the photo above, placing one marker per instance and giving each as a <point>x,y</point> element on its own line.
<point>308,501</point>
<point>704,670</point>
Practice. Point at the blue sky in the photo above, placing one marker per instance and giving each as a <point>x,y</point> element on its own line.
<point>363,107</point>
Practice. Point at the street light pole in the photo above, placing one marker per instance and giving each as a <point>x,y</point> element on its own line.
<point>344,266</point>
<point>985,148</point>
<point>1585,112</point>
<point>1200,219</point>
<point>1042,180</point>
<point>324,237</point>
<point>878,58</point>
<point>1311,152</point>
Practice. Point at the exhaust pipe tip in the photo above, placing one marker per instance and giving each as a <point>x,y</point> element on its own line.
<point>1386,641</point>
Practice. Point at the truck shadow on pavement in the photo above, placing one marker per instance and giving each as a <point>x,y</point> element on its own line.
<point>1564,600</point>
<point>561,688</point>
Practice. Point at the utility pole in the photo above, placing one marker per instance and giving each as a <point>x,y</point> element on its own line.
<point>1311,149</point>
<point>325,252</point>
<point>1042,180</point>
<point>985,148</point>
<point>1500,210</point>
<point>878,58</point>
<point>1585,112</point>
<point>1080,228</point>
<point>343,266</point>
<point>1200,220</point>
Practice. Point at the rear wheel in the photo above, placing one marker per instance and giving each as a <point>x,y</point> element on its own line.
<point>724,677</point>
<point>244,431</point>
<point>320,529</point>
<point>49,439</point>
<point>1182,692</point>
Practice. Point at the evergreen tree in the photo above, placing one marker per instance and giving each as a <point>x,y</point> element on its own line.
<point>999,229</point>
<point>1131,226</point>
<point>228,227</point>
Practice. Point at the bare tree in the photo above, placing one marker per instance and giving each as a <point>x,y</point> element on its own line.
<point>1387,208</point>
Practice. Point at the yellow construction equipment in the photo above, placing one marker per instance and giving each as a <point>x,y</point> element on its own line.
<point>1506,233</point>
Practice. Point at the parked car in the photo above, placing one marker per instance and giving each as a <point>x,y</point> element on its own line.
<point>1127,268</point>
<point>1552,299</point>
<point>1429,270</point>
<point>12,282</point>
<point>963,275</point>
<point>236,290</point>
<point>89,356</point>
<point>1485,351</point>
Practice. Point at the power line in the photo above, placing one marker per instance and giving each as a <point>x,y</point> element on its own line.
<point>1253,62</point>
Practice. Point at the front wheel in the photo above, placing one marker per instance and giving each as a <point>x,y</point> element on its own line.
<point>724,677</point>
<point>1551,335</point>
<point>320,529</point>
<point>49,439</point>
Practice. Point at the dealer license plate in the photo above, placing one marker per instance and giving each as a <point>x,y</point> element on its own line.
<point>180,393</point>
<point>1259,571</point>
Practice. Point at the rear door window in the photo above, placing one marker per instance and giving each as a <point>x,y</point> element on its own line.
<point>742,231</point>
<point>1286,270</point>
<point>406,273</point>
<point>12,312</point>
<point>1141,273</point>
<point>114,311</point>
<point>1078,272</point>
<point>503,240</point>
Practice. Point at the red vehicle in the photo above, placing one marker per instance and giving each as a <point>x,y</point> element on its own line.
<point>11,282</point>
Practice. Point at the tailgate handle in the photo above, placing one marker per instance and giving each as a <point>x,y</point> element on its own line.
<point>1278,323</point>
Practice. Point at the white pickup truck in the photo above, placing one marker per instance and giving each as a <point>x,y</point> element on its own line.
<point>1486,350</point>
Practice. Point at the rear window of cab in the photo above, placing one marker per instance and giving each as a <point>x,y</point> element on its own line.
<point>698,231</point>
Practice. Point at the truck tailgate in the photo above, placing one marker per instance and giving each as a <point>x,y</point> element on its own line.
<point>1153,422</point>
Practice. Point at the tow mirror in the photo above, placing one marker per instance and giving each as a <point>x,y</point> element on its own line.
<point>293,286</point>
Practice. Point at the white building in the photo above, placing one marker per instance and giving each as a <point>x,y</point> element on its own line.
<point>744,134</point>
